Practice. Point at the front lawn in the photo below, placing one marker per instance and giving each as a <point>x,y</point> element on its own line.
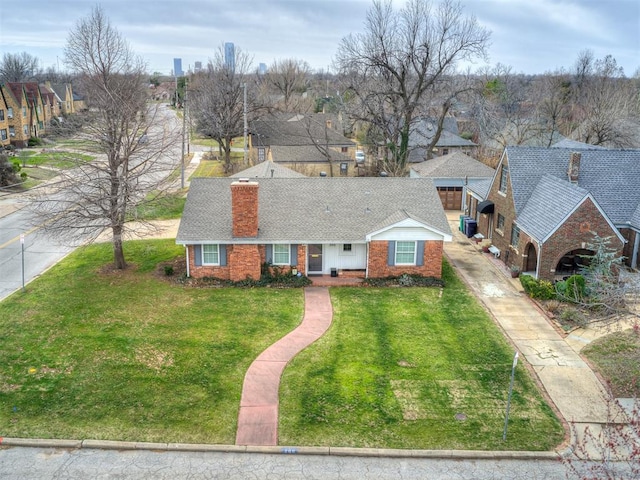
<point>60,160</point>
<point>92,353</point>
<point>412,368</point>
<point>89,352</point>
<point>617,358</point>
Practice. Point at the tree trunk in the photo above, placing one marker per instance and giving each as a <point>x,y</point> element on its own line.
<point>118,252</point>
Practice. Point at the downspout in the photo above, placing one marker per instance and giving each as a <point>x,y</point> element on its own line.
<point>366,270</point>
<point>634,255</point>
<point>186,247</point>
<point>539,256</point>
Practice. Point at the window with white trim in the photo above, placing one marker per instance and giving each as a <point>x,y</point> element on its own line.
<point>405,253</point>
<point>281,254</point>
<point>24,111</point>
<point>25,129</point>
<point>210,254</point>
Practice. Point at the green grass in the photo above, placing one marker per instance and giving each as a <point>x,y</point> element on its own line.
<point>162,207</point>
<point>209,168</point>
<point>397,366</point>
<point>617,358</point>
<point>90,353</point>
<point>57,159</point>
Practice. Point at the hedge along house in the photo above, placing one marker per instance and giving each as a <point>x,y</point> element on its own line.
<point>366,227</point>
<point>544,205</point>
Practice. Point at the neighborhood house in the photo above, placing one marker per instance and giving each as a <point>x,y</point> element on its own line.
<point>543,206</point>
<point>362,227</point>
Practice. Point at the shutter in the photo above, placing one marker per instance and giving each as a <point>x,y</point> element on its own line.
<point>420,253</point>
<point>269,253</point>
<point>391,253</point>
<point>222,253</point>
<point>197,255</point>
<point>294,255</point>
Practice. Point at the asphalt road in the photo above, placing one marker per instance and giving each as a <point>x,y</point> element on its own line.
<point>26,463</point>
<point>41,250</point>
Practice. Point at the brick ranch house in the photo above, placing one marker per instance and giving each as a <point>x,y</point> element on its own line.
<point>373,227</point>
<point>543,204</point>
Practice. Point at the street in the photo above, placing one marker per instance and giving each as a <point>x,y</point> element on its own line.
<point>26,463</point>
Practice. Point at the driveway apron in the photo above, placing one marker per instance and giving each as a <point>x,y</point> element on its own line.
<point>568,380</point>
<point>258,415</point>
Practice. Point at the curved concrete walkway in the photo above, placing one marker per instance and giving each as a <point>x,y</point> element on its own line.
<point>258,416</point>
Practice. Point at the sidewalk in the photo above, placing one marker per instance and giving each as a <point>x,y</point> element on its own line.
<point>258,416</point>
<point>571,385</point>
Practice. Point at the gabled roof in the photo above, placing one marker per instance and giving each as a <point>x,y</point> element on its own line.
<point>305,153</point>
<point>453,165</point>
<point>549,205</point>
<point>311,210</point>
<point>268,169</point>
<point>610,176</point>
<point>17,91</point>
<point>296,130</point>
<point>480,187</point>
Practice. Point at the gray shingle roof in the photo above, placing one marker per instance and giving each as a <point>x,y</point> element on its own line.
<point>311,210</point>
<point>453,165</point>
<point>551,201</point>
<point>267,170</point>
<point>611,176</point>
<point>299,130</point>
<point>305,153</point>
<point>480,187</point>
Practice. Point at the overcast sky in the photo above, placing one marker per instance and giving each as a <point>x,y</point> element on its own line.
<point>531,36</point>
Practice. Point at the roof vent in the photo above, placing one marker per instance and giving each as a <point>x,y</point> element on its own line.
<point>243,180</point>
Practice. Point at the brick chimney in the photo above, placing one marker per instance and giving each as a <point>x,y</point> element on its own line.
<point>574,167</point>
<point>244,208</point>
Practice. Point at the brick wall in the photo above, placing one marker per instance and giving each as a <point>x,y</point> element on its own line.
<point>573,235</point>
<point>378,255</point>
<point>238,267</point>
<point>244,262</point>
<point>244,209</point>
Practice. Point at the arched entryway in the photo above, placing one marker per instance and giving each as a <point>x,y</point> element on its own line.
<point>573,261</point>
<point>531,261</point>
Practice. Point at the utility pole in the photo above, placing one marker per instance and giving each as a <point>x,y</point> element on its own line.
<point>184,131</point>
<point>246,128</point>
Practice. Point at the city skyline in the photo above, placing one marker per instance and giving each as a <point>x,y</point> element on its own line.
<point>531,37</point>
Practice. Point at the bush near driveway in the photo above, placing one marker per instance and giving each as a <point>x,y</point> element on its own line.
<point>420,368</point>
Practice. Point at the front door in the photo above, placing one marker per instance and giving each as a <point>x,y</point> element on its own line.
<point>314,258</point>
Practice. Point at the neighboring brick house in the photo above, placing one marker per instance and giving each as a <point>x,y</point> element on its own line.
<point>452,174</point>
<point>18,115</point>
<point>543,205</point>
<point>4,122</point>
<point>64,91</point>
<point>309,144</point>
<point>37,120</point>
<point>51,103</point>
<point>372,227</point>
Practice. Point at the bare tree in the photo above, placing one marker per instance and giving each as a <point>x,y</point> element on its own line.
<point>401,65</point>
<point>217,100</point>
<point>604,103</point>
<point>103,194</point>
<point>288,79</point>
<point>18,67</point>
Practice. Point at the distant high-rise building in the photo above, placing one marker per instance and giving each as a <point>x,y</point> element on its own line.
<point>198,67</point>
<point>230,55</point>
<point>262,68</point>
<point>177,67</point>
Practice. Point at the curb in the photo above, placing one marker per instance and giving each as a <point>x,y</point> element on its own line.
<point>287,450</point>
